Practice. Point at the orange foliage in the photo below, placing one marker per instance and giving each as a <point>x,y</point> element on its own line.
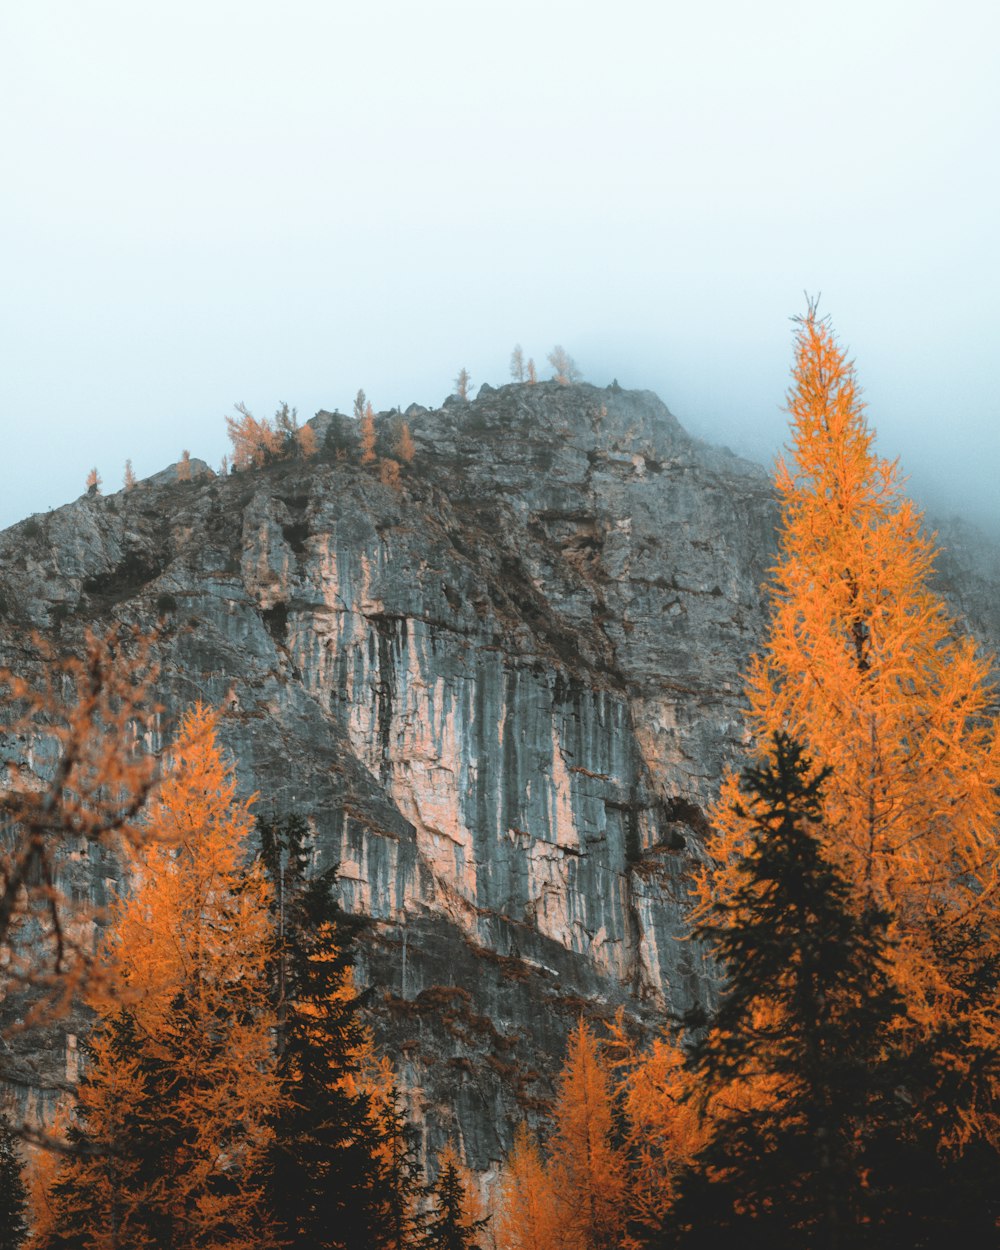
<point>525,1216</point>
<point>81,728</point>
<point>93,482</point>
<point>305,436</point>
<point>564,367</point>
<point>129,479</point>
<point>184,466</point>
<point>405,449</point>
<point>254,442</point>
<point>462,383</point>
<point>190,949</point>
<point>388,472</point>
<point>864,667</point>
<point>665,1128</point>
<point>517,371</point>
<point>367,434</point>
<point>587,1171</point>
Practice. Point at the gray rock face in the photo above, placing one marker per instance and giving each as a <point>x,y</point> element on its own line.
<point>503,693</point>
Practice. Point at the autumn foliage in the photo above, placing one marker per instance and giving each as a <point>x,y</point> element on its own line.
<point>83,720</point>
<point>173,1113</point>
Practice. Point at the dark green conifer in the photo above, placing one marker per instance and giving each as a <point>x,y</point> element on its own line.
<point>807,1005</point>
<point>447,1226</point>
<point>13,1197</point>
<point>328,1187</point>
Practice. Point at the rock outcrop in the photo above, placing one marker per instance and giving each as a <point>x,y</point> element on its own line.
<point>502,692</point>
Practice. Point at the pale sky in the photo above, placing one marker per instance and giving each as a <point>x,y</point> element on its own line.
<point>219,201</point>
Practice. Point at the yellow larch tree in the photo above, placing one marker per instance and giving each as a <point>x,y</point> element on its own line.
<point>665,1127</point>
<point>587,1169</point>
<point>863,665</point>
<point>367,433</point>
<point>255,440</point>
<point>74,775</point>
<point>180,1087</point>
<point>525,1208</point>
<point>405,447</point>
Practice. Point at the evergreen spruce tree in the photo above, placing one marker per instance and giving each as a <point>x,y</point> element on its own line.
<point>328,1185</point>
<point>448,1225</point>
<point>803,1025</point>
<point>13,1195</point>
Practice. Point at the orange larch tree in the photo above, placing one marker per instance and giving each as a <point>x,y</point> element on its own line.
<point>405,447</point>
<point>587,1169</point>
<point>75,775</point>
<point>863,665</point>
<point>180,1087</point>
<point>367,433</point>
<point>254,441</point>
<point>665,1127</point>
<point>525,1214</point>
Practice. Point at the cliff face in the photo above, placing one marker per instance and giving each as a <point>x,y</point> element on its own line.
<point>503,694</point>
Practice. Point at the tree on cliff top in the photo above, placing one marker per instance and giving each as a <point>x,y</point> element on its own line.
<point>564,366</point>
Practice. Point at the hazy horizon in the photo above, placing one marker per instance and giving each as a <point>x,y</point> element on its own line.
<point>217,203</point>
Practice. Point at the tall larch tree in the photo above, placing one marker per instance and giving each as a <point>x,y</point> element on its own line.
<point>525,1208</point>
<point>517,369</point>
<point>462,384</point>
<point>863,665</point>
<point>175,1108</point>
<point>366,433</point>
<point>564,368</point>
<point>663,1128</point>
<point>587,1168</point>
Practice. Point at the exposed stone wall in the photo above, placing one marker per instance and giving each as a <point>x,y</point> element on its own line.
<point>503,695</point>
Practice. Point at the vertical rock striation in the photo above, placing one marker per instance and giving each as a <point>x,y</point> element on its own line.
<point>503,694</point>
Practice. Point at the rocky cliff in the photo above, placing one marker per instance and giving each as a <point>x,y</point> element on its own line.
<point>502,691</point>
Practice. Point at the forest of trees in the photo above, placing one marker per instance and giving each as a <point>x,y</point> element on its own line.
<point>840,1091</point>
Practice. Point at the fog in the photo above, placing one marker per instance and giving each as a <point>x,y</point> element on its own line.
<point>214,202</point>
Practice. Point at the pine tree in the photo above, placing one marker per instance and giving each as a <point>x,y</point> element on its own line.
<point>326,1184</point>
<point>174,1109</point>
<point>806,1017</point>
<point>128,481</point>
<point>587,1169</point>
<point>462,384</point>
<point>450,1222</point>
<point>864,667</point>
<point>13,1193</point>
